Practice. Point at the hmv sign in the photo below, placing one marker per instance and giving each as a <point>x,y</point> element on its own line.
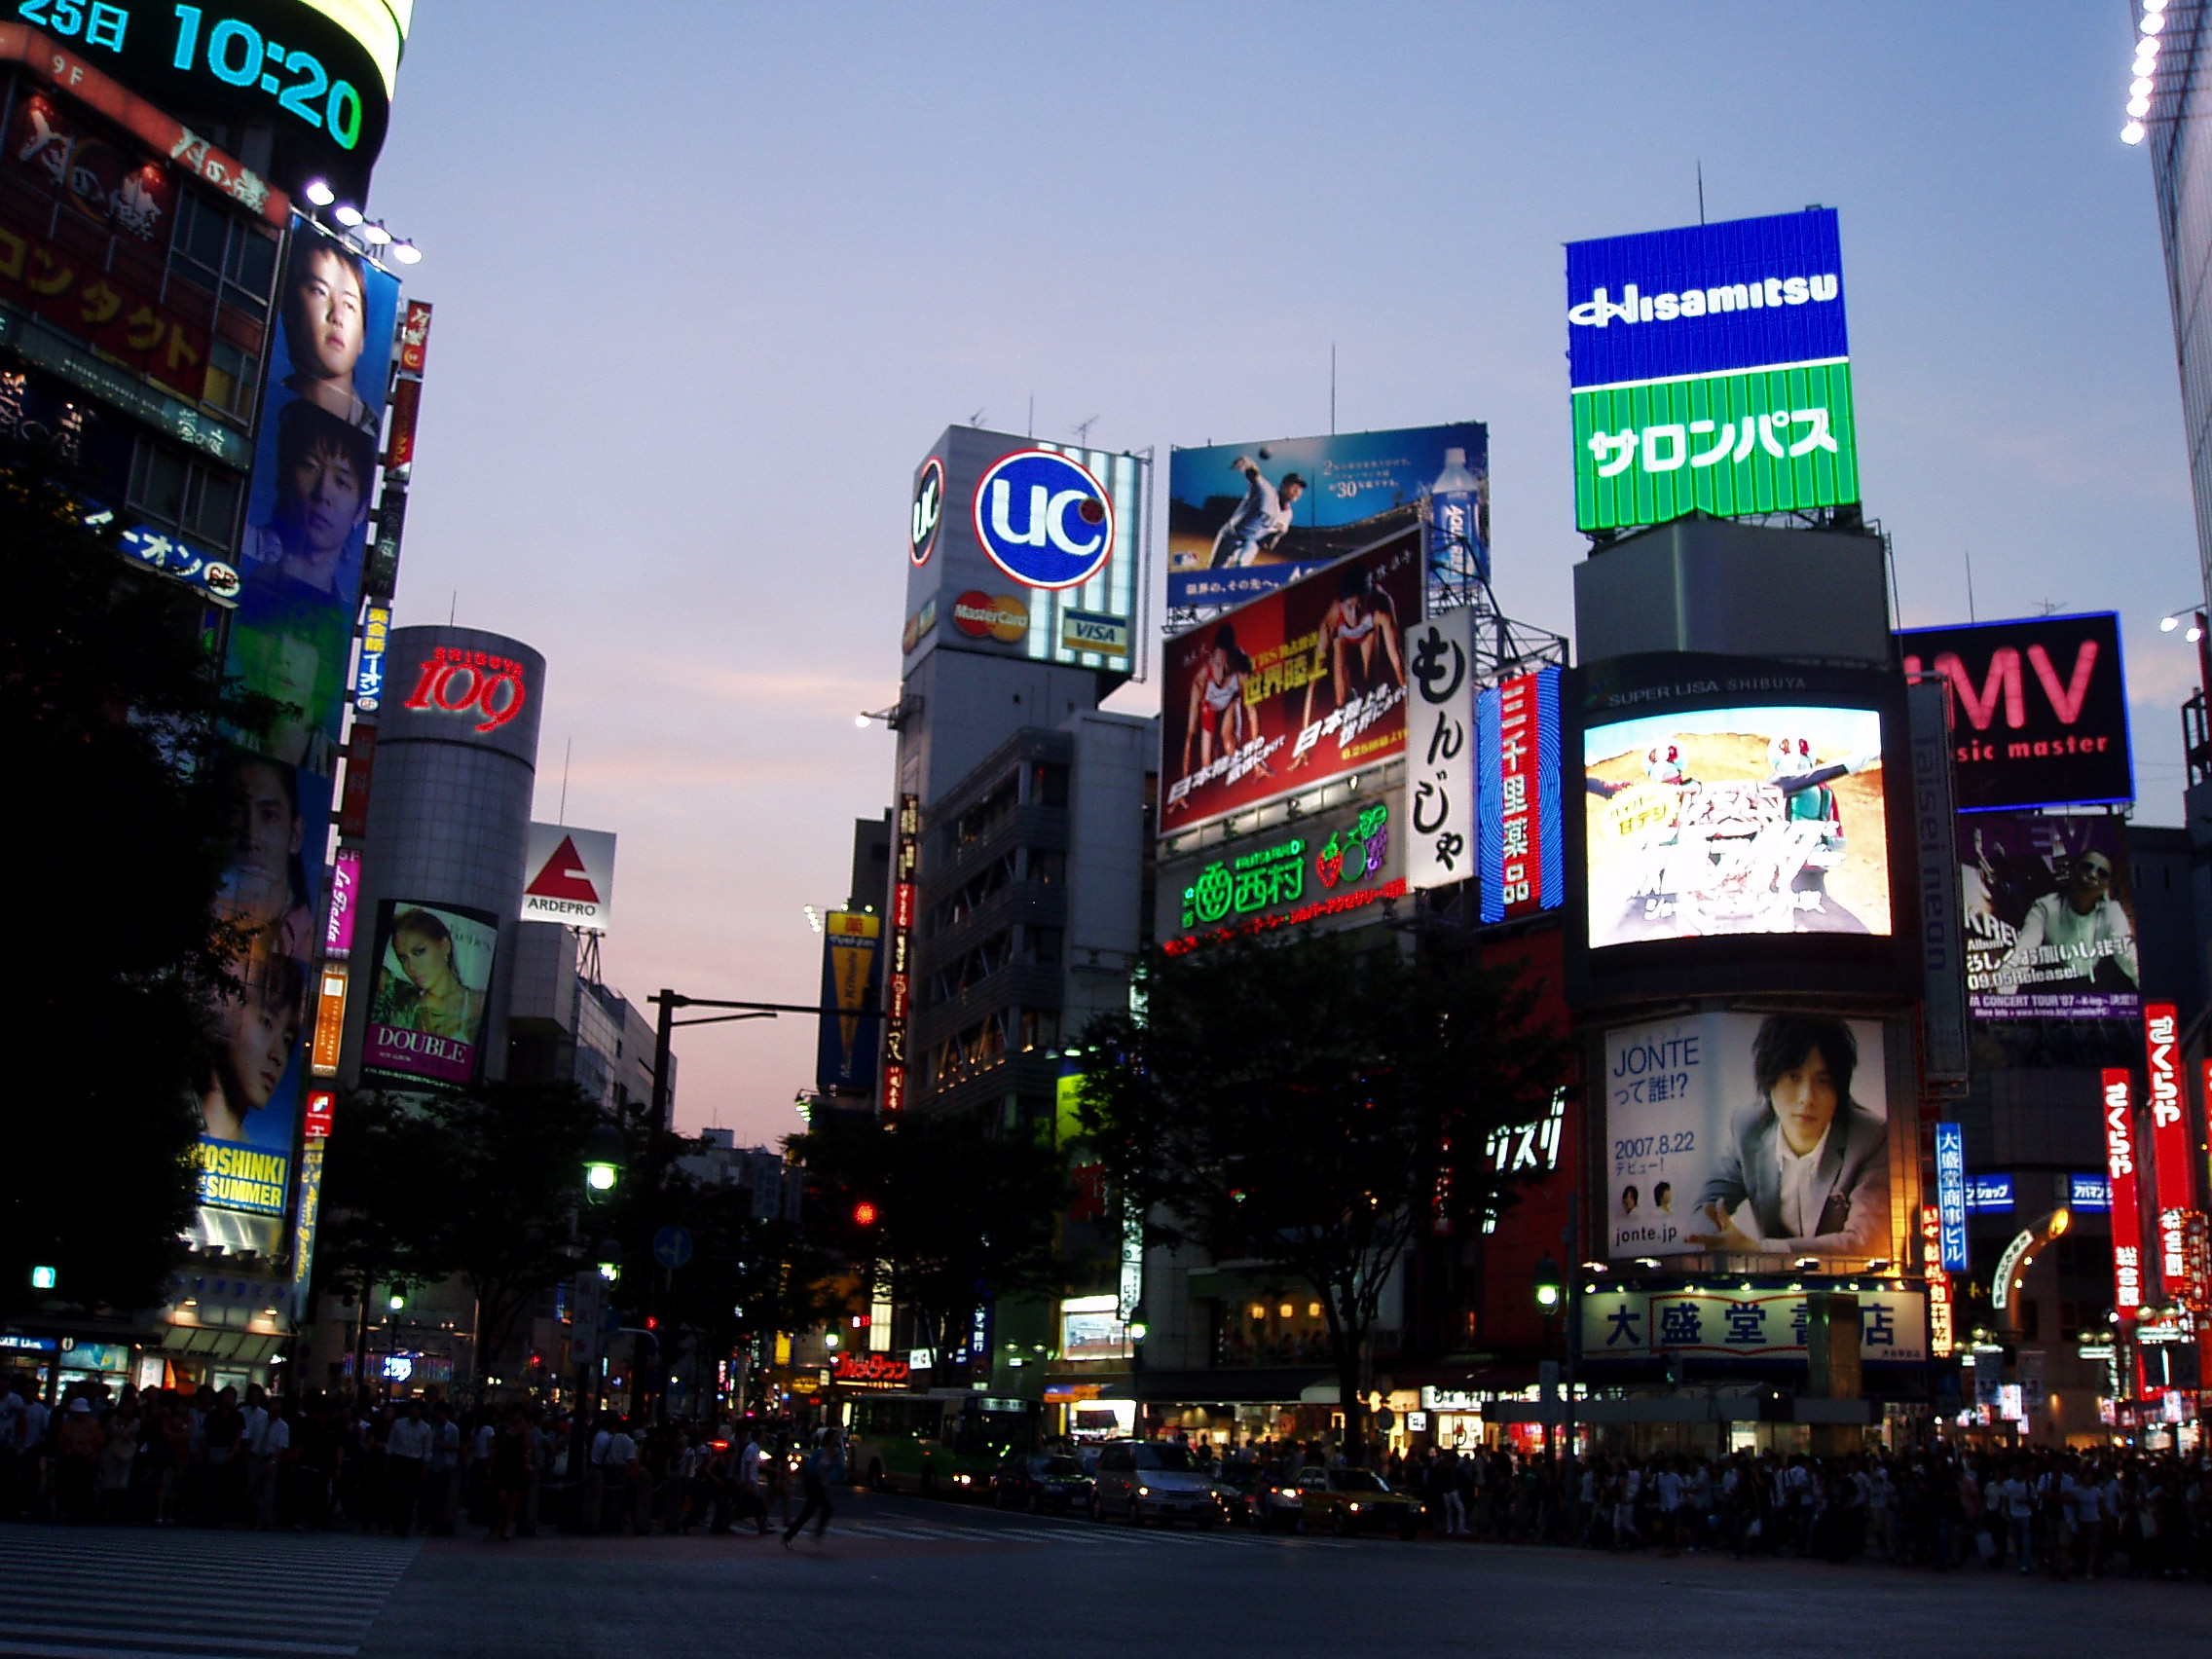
<point>2038,709</point>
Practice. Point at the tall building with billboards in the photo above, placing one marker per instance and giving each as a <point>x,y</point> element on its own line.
<point>181,331</point>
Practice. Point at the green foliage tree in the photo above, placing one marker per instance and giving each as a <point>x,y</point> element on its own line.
<point>1313,1103</point>
<point>962,1210</point>
<point>110,705</point>
<point>483,1183</point>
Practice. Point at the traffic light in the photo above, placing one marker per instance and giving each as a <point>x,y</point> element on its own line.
<point>1548,1287</point>
<point>44,1278</point>
<point>865,1214</point>
<point>603,1161</point>
<point>610,1255</point>
<point>397,1301</point>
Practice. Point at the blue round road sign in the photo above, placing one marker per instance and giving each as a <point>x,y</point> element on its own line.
<point>1044,519</point>
<point>672,1246</point>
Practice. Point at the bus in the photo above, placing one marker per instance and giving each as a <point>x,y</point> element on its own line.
<point>946,1441</point>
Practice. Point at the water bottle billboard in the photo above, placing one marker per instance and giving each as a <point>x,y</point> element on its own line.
<point>1246,519</point>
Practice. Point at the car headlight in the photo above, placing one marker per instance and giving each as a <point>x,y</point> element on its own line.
<point>1144,1491</point>
<point>1355,1509</point>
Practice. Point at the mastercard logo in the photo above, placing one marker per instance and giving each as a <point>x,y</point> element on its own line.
<point>979,615</point>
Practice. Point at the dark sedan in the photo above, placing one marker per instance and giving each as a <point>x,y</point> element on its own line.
<point>1049,1482</point>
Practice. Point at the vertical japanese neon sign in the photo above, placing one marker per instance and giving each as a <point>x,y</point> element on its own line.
<point>1951,1195</point>
<point>2171,1151</point>
<point>1517,806</point>
<point>897,980</point>
<point>2126,1217</point>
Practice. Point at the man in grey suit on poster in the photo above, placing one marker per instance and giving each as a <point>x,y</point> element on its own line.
<point>1808,1167</point>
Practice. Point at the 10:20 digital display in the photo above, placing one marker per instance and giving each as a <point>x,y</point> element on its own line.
<point>230,49</point>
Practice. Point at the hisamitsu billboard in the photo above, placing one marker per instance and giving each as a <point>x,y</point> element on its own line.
<point>2038,709</point>
<point>1705,299</point>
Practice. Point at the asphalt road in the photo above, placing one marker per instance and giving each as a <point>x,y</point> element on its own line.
<point>907,1578</point>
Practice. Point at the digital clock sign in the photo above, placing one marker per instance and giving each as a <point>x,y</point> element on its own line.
<point>317,74</point>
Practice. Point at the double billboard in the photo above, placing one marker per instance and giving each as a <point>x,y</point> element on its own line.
<point>2050,916</point>
<point>1291,689</point>
<point>1020,548</point>
<point>1247,519</point>
<point>1734,818</point>
<point>1711,372</point>
<point>1743,1134</point>
<point>432,969</point>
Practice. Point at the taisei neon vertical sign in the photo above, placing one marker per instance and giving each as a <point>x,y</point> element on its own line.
<point>2126,1216</point>
<point>897,980</point>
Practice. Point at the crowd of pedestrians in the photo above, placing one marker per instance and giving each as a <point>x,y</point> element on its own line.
<point>215,1457</point>
<point>2057,1512</point>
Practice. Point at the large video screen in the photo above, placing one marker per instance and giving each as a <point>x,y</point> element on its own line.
<point>1748,1136</point>
<point>1716,821</point>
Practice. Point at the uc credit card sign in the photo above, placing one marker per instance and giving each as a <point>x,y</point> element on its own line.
<point>1705,299</point>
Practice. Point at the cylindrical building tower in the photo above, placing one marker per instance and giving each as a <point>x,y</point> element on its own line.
<point>442,870</point>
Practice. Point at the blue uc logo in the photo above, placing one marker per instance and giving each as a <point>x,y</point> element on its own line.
<point>1044,519</point>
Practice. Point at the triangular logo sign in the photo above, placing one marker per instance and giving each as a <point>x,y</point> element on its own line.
<point>563,876</point>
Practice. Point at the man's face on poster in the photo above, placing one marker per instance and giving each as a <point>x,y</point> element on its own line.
<point>1804,1102</point>
<point>325,498</point>
<point>265,830</point>
<point>2089,882</point>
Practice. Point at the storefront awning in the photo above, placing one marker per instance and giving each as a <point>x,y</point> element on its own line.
<point>1224,1386</point>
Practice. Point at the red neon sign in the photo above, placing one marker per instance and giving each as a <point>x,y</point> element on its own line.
<point>2126,1218</point>
<point>461,682</point>
<point>878,1368</point>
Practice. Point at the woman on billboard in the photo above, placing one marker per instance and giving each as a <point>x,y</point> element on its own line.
<point>435,999</point>
<point>1806,1171</point>
<point>1215,723</point>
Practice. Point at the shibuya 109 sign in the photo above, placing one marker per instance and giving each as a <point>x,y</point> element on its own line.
<point>1711,371</point>
<point>1337,863</point>
<point>490,688</point>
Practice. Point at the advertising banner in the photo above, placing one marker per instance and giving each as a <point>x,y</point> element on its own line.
<point>1440,656</point>
<point>1710,372</point>
<point>1939,892</point>
<point>1757,820</point>
<point>1017,548</point>
<point>1522,843</point>
<point>1247,519</point>
<point>1726,1322</point>
<point>433,980</point>
<point>308,507</point>
<point>1748,1136</point>
<point>2050,916</point>
<point>1338,862</point>
<point>1291,690</point>
<point>271,901</point>
<point>2039,710</point>
<point>1941,1324</point>
<point>570,878</point>
<point>345,904</point>
<point>2127,1213</point>
<point>845,1050</point>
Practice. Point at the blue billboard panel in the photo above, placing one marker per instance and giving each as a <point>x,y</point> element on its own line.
<point>2088,1192</point>
<point>1951,1194</point>
<point>1520,844</point>
<point>1705,299</point>
<point>1246,519</point>
<point>1989,1195</point>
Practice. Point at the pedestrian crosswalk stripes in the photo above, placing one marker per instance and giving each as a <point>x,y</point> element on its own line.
<point>139,1593</point>
<point>924,1530</point>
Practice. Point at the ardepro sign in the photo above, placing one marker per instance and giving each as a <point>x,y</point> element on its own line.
<point>2038,709</point>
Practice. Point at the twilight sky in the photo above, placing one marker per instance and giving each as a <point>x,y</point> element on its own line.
<point>707,288</point>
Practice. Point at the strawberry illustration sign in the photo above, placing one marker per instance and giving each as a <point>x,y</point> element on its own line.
<point>570,877</point>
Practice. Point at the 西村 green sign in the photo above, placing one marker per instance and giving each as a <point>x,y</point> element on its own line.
<point>1755,441</point>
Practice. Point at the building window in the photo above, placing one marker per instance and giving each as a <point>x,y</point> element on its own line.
<point>1041,946</point>
<point>1051,869</point>
<point>1039,1029</point>
<point>1048,785</point>
<point>178,494</point>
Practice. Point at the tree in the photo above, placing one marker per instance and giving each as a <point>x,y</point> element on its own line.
<point>110,707</point>
<point>482,1183</point>
<point>1314,1104</point>
<point>962,1212</point>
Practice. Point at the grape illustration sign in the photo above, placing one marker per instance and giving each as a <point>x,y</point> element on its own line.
<point>1748,1136</point>
<point>1711,371</point>
<point>1342,861</point>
